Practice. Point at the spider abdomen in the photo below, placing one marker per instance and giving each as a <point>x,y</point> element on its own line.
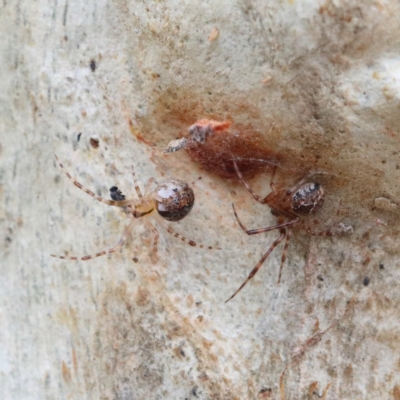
<point>308,199</point>
<point>174,199</point>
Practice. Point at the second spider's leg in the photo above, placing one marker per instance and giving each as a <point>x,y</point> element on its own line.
<point>288,236</point>
<point>271,183</point>
<point>335,230</point>
<point>261,230</point>
<point>121,242</point>
<point>90,193</point>
<point>240,176</point>
<point>135,182</point>
<point>327,233</point>
<point>260,263</point>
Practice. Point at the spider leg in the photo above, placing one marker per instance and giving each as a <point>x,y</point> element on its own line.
<point>156,236</point>
<point>148,185</point>
<point>261,230</point>
<point>288,236</point>
<point>327,233</point>
<point>103,252</point>
<point>335,228</point>
<point>135,182</point>
<point>186,240</point>
<point>123,203</point>
<point>271,183</point>
<point>258,266</point>
<point>240,176</point>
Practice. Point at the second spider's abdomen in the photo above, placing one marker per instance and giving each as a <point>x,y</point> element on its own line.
<point>174,199</point>
<point>308,199</point>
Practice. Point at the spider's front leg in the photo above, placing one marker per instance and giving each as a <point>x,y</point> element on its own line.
<point>118,203</point>
<point>261,230</point>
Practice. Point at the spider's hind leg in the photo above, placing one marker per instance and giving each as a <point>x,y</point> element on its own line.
<point>185,239</point>
<point>121,242</point>
<point>261,262</point>
<point>284,253</point>
<point>156,235</point>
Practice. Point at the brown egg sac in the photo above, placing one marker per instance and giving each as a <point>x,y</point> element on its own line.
<point>215,145</point>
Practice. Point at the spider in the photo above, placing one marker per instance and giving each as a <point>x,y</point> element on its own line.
<point>172,199</point>
<point>288,205</point>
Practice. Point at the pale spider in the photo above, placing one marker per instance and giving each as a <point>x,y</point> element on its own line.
<point>172,199</point>
<point>289,206</point>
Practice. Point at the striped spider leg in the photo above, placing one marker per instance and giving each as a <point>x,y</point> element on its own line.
<point>288,205</point>
<point>171,200</point>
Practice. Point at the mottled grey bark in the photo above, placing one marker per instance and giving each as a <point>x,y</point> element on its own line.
<point>320,80</point>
